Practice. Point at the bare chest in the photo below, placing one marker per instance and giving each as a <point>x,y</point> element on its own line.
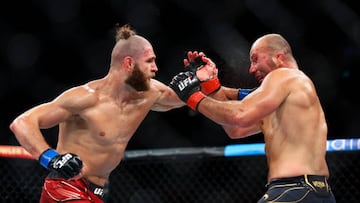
<point>111,122</point>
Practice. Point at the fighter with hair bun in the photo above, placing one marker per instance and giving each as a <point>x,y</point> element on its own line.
<point>96,121</point>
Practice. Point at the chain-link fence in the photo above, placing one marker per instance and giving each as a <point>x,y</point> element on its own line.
<point>181,179</point>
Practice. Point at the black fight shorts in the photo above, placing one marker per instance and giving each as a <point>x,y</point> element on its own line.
<point>305,188</point>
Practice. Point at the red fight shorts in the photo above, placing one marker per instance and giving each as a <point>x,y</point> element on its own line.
<point>62,190</point>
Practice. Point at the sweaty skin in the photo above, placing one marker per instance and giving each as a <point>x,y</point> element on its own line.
<point>285,108</point>
<point>96,120</point>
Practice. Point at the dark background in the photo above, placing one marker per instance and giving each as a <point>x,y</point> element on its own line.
<point>47,46</point>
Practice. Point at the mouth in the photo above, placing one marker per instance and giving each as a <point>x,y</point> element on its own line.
<point>259,78</point>
<point>153,74</point>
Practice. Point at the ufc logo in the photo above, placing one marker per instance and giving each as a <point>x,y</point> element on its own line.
<point>99,191</point>
<point>183,84</point>
<point>63,160</point>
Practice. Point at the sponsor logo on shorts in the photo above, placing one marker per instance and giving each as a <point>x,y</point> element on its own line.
<point>319,184</point>
<point>99,191</point>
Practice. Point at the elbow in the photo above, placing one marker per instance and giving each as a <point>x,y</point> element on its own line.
<point>234,135</point>
<point>14,125</point>
<point>239,127</point>
<point>18,124</point>
<point>236,132</point>
<point>240,120</point>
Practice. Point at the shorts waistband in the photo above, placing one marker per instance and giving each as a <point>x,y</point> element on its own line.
<point>305,178</point>
<point>94,188</point>
<point>315,182</point>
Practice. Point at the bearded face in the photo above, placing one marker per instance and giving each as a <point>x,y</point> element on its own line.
<point>137,80</point>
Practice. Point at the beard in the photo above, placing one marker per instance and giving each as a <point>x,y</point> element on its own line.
<point>137,80</point>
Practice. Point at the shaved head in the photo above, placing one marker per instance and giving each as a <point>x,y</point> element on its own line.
<point>273,43</point>
<point>128,43</point>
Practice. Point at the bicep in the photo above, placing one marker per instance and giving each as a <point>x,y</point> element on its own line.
<point>61,108</point>
<point>48,114</point>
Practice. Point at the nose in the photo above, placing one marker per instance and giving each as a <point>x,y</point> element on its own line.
<point>155,68</point>
<point>252,69</point>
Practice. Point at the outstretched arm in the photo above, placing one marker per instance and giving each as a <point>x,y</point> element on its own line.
<point>167,100</point>
<point>221,93</point>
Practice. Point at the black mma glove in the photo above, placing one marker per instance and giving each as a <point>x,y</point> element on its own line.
<point>67,165</point>
<point>208,86</point>
<point>187,87</point>
<point>194,65</point>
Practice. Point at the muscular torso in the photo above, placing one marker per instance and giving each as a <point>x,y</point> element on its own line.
<point>296,132</point>
<point>99,134</point>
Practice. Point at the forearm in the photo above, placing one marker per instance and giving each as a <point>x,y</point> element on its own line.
<point>167,107</point>
<point>235,125</point>
<point>225,93</point>
<point>217,111</point>
<point>67,165</point>
<point>227,113</point>
<point>236,132</point>
<point>167,101</point>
